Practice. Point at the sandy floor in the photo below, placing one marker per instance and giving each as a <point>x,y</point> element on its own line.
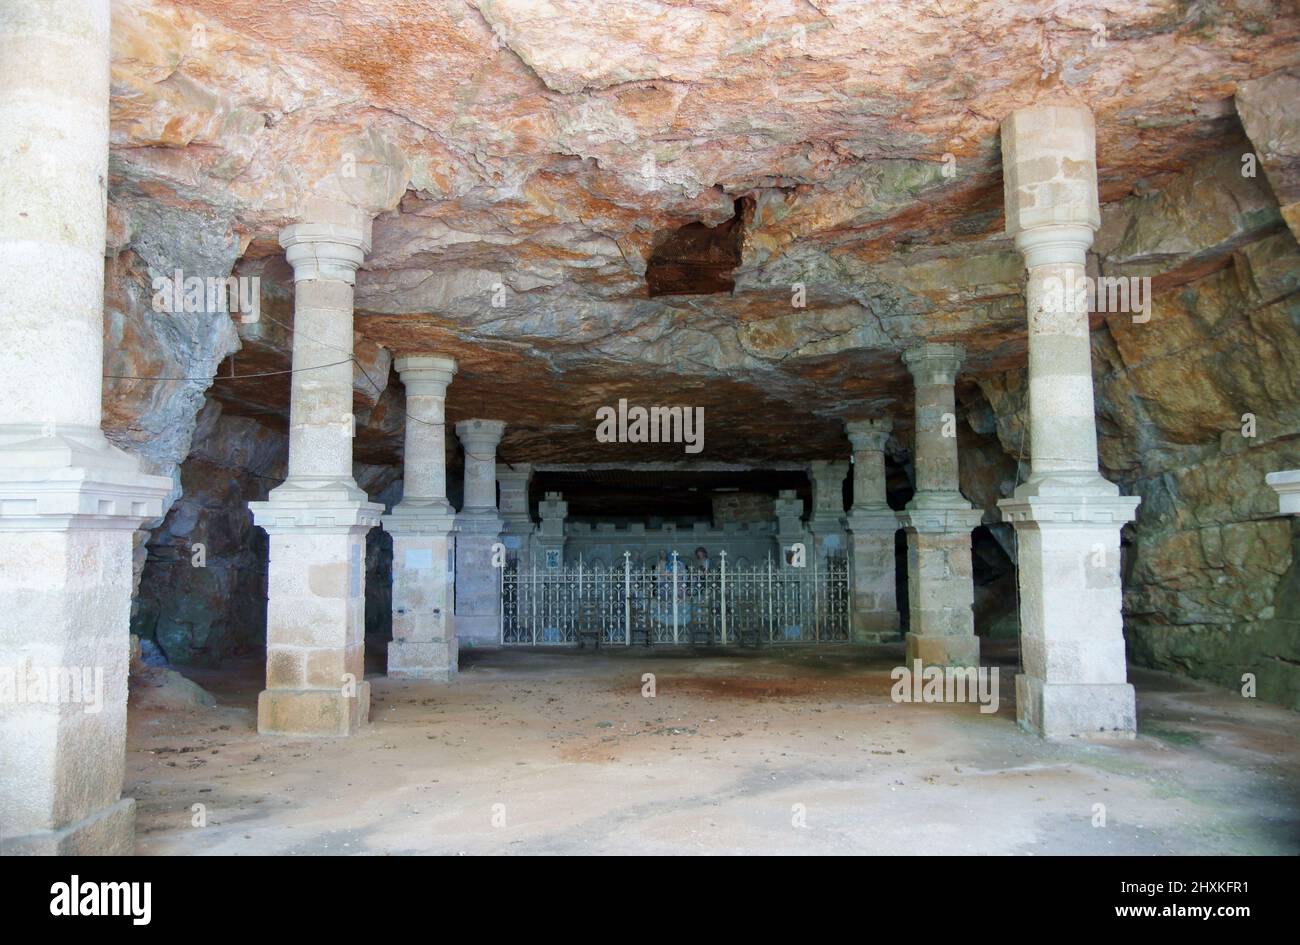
<point>785,751</point>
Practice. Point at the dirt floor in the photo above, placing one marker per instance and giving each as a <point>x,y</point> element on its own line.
<point>774,751</point>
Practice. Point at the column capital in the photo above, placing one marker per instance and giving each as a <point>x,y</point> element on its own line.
<point>326,251</point>
<point>1054,243</point>
<point>480,436</point>
<point>425,373</point>
<point>828,468</point>
<point>517,472</point>
<point>934,363</point>
<point>870,434</point>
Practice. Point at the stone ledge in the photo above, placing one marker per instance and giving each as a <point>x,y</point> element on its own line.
<point>419,521</point>
<point>341,517</point>
<point>482,523</point>
<point>75,479</point>
<point>1070,510</point>
<point>939,520</point>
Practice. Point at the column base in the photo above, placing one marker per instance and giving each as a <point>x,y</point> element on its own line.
<point>1076,710</point>
<point>478,581</point>
<point>107,832</point>
<point>437,660</point>
<point>934,650</point>
<point>478,630</point>
<point>312,712</point>
<point>876,628</point>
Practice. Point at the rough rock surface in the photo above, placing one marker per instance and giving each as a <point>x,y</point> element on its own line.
<point>548,148</point>
<point>526,160</point>
<point>203,594</point>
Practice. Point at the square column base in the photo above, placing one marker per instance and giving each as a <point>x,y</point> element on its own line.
<point>941,581</point>
<point>478,580</point>
<point>424,637</point>
<point>943,650</point>
<point>876,628</point>
<point>107,832</point>
<point>478,631</point>
<point>437,660</point>
<point>313,712</point>
<point>873,593</point>
<point>1076,710</point>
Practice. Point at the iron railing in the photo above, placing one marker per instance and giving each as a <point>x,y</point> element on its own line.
<point>767,603</point>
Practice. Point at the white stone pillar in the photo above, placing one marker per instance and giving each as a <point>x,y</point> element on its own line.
<point>317,518</point>
<point>517,529</point>
<point>827,519</point>
<point>550,537</point>
<point>872,524</point>
<point>69,500</point>
<point>424,638</point>
<point>1067,517</point>
<point>478,528</point>
<point>940,576</point>
<point>788,509</point>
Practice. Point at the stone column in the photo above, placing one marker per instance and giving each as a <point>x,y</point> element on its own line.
<point>827,520</point>
<point>789,523</point>
<point>1067,517</point>
<point>872,524</point>
<point>550,537</point>
<point>317,518</point>
<point>424,639</point>
<point>478,528</point>
<point>940,578</point>
<point>517,529</point>
<point>69,500</point>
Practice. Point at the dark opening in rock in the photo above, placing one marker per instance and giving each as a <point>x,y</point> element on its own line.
<point>697,259</point>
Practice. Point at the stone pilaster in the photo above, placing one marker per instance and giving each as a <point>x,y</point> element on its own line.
<point>940,578</point>
<point>69,500</point>
<point>1286,483</point>
<point>317,518</point>
<point>789,523</point>
<point>424,638</point>
<point>827,519</point>
<point>478,528</point>
<point>550,536</point>
<point>1067,517</point>
<point>517,528</point>
<point>872,525</point>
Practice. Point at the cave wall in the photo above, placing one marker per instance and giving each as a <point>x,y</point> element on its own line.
<point>202,596</point>
<point>203,606</point>
<point>1194,407</point>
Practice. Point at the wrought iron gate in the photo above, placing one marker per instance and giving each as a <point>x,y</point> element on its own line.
<point>770,603</point>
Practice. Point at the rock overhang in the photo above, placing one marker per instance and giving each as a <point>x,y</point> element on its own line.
<point>520,182</point>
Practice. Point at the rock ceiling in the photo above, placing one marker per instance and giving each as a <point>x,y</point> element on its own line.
<point>527,159</point>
